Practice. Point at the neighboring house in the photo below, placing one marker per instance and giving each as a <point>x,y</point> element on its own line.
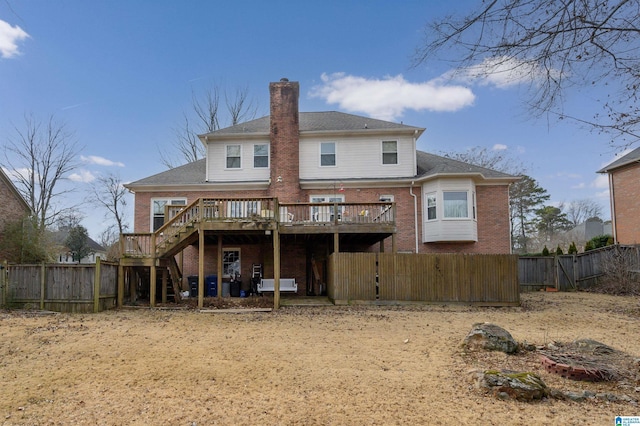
<point>314,183</point>
<point>13,206</point>
<point>64,255</point>
<point>624,195</point>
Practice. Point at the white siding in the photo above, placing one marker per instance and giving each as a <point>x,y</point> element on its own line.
<point>356,157</point>
<point>216,159</point>
<point>447,229</point>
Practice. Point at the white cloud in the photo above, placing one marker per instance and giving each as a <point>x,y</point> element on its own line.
<point>499,147</point>
<point>101,161</point>
<point>83,176</point>
<point>601,182</point>
<point>388,98</point>
<point>9,37</point>
<point>581,185</point>
<point>502,72</point>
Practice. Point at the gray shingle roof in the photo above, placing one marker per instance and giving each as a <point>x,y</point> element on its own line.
<point>431,164</point>
<point>317,121</point>
<point>187,174</point>
<point>428,165</point>
<point>633,156</point>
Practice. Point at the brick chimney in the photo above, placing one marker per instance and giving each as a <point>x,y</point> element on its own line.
<point>285,141</point>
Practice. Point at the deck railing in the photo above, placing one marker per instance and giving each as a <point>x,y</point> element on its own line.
<point>337,213</point>
<point>180,220</point>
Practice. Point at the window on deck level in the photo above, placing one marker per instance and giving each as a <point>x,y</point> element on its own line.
<point>431,206</point>
<point>158,210</point>
<point>455,204</point>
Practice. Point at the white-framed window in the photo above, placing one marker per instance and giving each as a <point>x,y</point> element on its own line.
<point>157,210</point>
<point>230,262</point>
<point>327,154</point>
<point>473,204</point>
<point>455,204</point>
<point>322,213</point>
<point>389,152</point>
<point>432,206</point>
<point>261,156</point>
<point>234,157</point>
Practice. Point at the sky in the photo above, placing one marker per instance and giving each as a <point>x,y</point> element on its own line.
<point>121,74</point>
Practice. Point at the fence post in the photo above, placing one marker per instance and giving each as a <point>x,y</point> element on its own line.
<point>96,287</point>
<point>43,283</point>
<point>4,283</point>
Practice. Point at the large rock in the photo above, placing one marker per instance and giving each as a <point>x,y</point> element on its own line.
<point>521,386</point>
<point>490,337</point>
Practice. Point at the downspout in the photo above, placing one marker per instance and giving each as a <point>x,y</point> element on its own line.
<point>613,209</point>
<point>415,212</point>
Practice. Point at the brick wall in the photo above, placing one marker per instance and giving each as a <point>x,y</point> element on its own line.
<point>493,231</point>
<point>11,207</point>
<point>285,141</point>
<point>626,193</point>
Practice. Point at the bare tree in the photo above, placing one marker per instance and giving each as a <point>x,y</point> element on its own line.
<point>579,211</point>
<point>40,156</point>
<point>555,45</point>
<point>108,192</point>
<point>205,118</point>
<point>240,107</point>
<point>491,159</point>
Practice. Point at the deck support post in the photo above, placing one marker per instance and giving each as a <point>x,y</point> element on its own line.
<point>219,266</point>
<point>152,284</point>
<point>276,269</point>
<point>200,266</point>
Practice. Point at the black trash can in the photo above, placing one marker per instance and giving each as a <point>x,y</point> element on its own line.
<point>211,285</point>
<point>193,285</point>
<point>235,288</point>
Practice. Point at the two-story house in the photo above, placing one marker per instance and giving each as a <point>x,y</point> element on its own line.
<point>624,193</point>
<point>285,190</point>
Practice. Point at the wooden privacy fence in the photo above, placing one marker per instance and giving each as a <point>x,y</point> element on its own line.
<point>481,279</point>
<point>60,287</point>
<point>568,272</point>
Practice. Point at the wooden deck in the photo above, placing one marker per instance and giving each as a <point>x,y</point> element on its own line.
<point>255,216</point>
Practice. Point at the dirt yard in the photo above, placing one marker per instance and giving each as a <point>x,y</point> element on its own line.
<point>299,366</point>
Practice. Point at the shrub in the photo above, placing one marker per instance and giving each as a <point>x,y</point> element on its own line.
<point>572,248</point>
<point>545,251</point>
<point>618,278</point>
<point>599,241</point>
<point>559,251</point>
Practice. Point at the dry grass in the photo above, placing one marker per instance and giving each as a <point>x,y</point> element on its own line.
<point>336,365</point>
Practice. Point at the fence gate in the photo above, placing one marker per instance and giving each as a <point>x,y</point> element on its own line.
<point>565,268</point>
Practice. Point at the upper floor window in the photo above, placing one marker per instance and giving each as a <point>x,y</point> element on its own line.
<point>234,156</point>
<point>431,206</point>
<point>261,156</point>
<point>328,154</point>
<point>389,152</point>
<point>455,204</point>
